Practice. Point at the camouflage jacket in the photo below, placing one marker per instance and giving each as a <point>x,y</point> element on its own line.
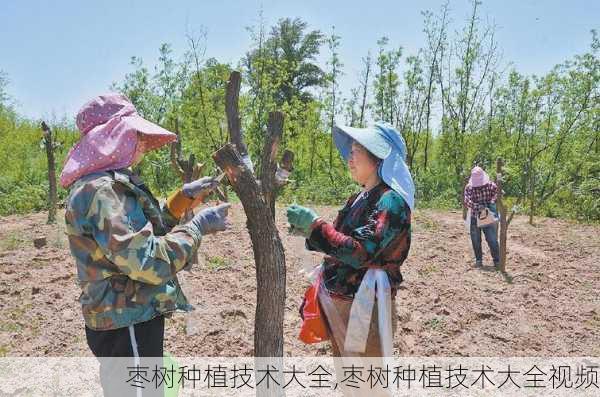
<point>127,249</point>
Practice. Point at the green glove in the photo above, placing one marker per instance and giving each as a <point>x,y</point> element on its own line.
<point>301,218</point>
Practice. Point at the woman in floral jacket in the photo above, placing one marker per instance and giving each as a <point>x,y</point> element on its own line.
<point>371,232</point>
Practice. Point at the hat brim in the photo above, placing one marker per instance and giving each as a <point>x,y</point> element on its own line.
<point>154,136</point>
<point>392,170</point>
<point>369,138</point>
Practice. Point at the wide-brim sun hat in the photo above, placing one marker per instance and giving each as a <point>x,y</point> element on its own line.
<point>385,143</point>
<point>111,130</point>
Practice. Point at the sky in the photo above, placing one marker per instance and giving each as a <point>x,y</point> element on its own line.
<point>59,54</point>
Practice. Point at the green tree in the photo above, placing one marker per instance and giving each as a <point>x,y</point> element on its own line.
<point>386,82</point>
<point>287,58</point>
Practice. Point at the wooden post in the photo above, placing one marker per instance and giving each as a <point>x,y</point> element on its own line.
<point>503,216</point>
<point>464,186</point>
<point>234,123</point>
<point>52,190</point>
<point>258,199</point>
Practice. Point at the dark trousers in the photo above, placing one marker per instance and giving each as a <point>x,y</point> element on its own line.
<point>128,358</point>
<point>491,236</point>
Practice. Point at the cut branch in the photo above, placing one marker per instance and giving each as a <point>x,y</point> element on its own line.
<point>233,113</point>
<point>269,158</point>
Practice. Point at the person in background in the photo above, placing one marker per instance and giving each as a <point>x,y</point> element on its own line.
<point>481,193</point>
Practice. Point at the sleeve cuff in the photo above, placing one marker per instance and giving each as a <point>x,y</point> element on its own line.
<point>178,204</point>
<point>316,224</point>
<point>193,231</point>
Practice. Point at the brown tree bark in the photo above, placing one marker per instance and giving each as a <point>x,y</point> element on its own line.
<point>258,199</point>
<point>52,190</point>
<point>504,222</point>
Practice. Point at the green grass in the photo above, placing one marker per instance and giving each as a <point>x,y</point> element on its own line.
<point>594,322</point>
<point>11,316</point>
<point>435,323</point>
<point>217,263</point>
<point>57,238</point>
<point>428,269</point>
<point>424,222</point>
<point>11,241</point>
<point>10,327</point>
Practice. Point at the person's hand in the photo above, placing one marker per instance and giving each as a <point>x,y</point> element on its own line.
<point>301,218</point>
<point>202,186</point>
<point>212,220</point>
<point>281,176</point>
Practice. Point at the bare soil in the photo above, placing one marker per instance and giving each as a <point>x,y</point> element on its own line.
<point>548,303</point>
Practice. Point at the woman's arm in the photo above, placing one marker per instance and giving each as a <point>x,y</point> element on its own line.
<point>174,208</point>
<point>124,235</point>
<point>388,225</point>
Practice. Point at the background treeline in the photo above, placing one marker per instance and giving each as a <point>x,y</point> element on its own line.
<point>456,100</point>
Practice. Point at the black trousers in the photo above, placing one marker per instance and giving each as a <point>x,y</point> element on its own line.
<point>129,358</point>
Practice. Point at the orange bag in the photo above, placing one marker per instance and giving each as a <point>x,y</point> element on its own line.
<point>313,328</point>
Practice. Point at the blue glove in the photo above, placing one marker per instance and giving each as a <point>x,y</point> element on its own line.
<point>301,218</point>
<point>212,220</point>
<point>199,186</point>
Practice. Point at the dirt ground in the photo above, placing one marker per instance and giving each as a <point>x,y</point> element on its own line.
<point>548,304</point>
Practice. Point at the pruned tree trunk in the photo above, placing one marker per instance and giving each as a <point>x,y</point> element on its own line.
<point>52,191</point>
<point>258,200</point>
<point>268,254</point>
<point>461,196</point>
<point>532,182</point>
<point>504,222</point>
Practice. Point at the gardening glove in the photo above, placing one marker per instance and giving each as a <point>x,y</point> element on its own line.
<point>190,196</point>
<point>178,203</point>
<point>200,186</point>
<point>212,220</point>
<point>281,176</point>
<point>301,218</point>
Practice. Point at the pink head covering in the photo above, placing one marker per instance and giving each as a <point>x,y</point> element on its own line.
<point>110,130</point>
<point>478,177</point>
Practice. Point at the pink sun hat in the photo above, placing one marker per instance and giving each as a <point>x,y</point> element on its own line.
<point>478,177</point>
<point>111,129</point>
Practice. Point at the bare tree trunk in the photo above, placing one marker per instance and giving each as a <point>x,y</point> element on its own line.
<point>234,124</point>
<point>313,150</point>
<point>531,195</point>
<point>461,199</point>
<point>52,191</point>
<point>504,222</point>
<point>268,254</point>
<point>258,200</point>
